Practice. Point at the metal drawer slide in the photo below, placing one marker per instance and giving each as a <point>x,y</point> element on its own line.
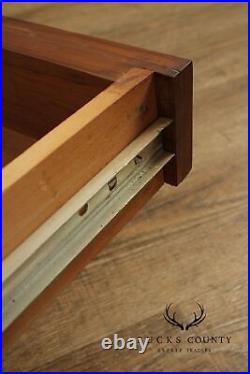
<point>29,269</point>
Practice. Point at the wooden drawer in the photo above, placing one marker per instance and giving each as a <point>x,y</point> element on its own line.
<point>76,111</point>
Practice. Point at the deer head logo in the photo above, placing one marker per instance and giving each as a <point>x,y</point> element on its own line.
<point>198,318</point>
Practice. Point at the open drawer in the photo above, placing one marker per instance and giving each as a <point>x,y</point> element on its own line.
<point>91,130</point>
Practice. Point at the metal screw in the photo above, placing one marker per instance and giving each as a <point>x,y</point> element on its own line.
<point>143,108</point>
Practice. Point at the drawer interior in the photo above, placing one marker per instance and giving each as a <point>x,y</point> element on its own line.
<point>37,96</point>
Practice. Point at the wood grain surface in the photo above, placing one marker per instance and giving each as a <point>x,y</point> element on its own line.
<point>186,244</point>
<point>51,47</point>
<point>14,143</point>
<point>30,84</point>
<point>35,185</point>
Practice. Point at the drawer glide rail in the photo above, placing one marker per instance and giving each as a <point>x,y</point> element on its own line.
<point>29,269</point>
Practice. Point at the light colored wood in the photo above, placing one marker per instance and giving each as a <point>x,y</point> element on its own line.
<point>31,245</point>
<point>30,268</point>
<point>14,143</point>
<point>35,185</point>
<point>187,243</point>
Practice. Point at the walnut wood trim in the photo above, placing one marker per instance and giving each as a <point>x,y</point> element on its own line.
<point>108,61</point>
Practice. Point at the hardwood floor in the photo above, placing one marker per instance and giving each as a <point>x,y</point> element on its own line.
<point>188,243</point>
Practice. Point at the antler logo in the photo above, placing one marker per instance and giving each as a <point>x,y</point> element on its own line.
<point>198,318</point>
